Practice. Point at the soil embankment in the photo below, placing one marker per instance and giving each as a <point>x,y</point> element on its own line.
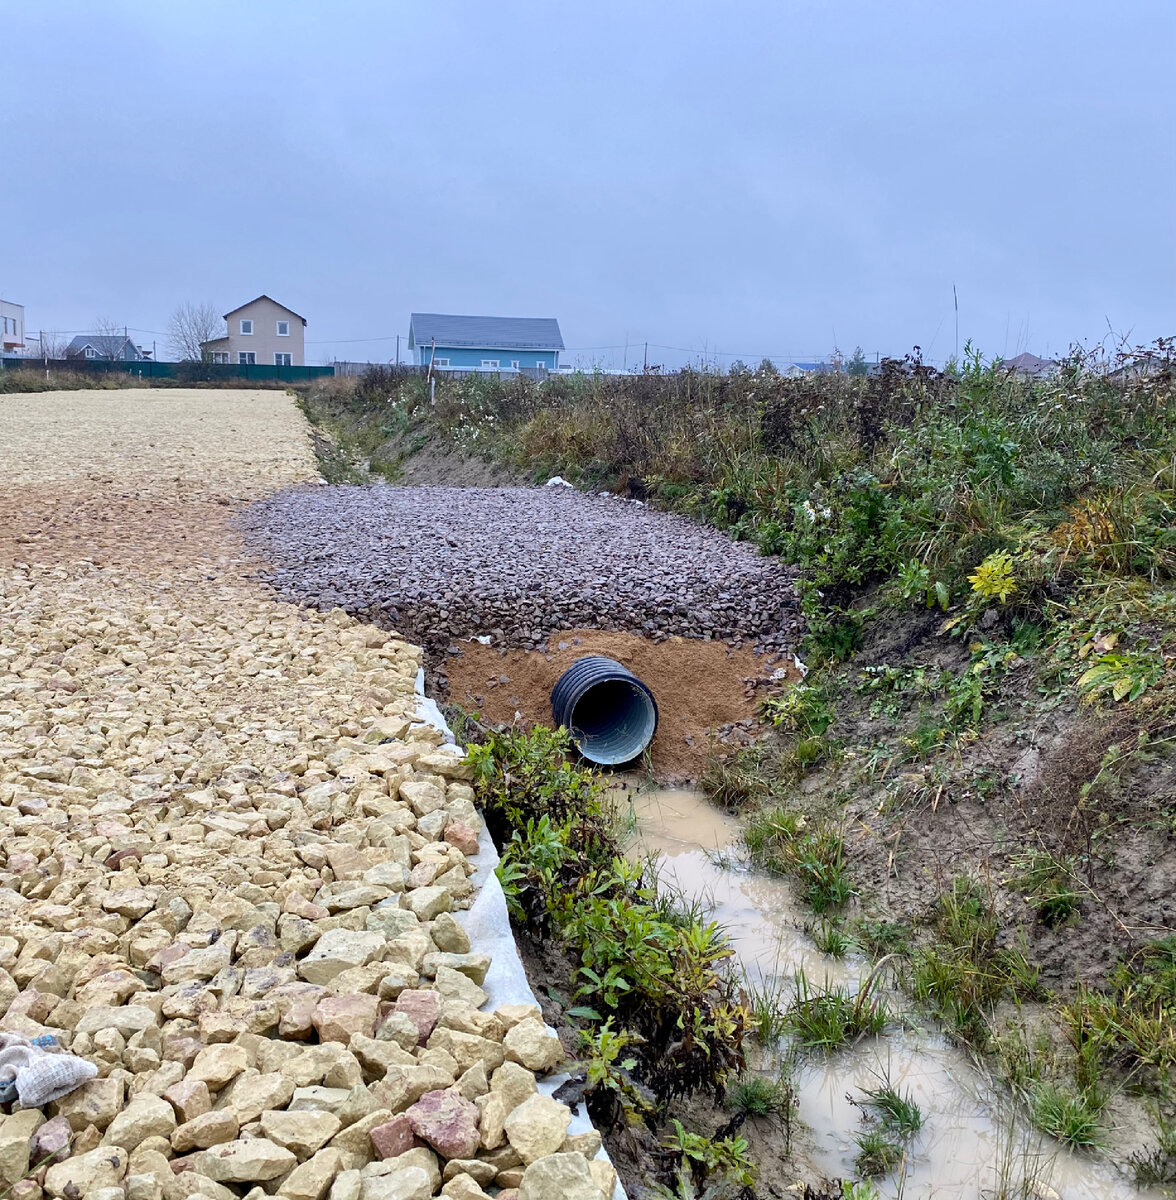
<point>707,692</point>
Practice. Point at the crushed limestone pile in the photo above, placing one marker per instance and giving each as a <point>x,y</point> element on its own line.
<point>234,862</point>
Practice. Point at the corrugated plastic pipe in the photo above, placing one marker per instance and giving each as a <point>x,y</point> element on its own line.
<point>610,713</point>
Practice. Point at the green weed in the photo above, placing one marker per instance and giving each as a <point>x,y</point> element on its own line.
<point>783,841</point>
<point>897,1112</point>
<point>1074,1118</point>
<point>878,1153</point>
<point>824,1018</point>
<point>1048,881</point>
<point>830,938</point>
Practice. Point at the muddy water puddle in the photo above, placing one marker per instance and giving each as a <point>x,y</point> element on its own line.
<point>970,1142</point>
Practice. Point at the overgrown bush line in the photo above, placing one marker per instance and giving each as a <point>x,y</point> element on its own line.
<point>660,978</point>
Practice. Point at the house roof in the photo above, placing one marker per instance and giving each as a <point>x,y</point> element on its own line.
<point>499,333</point>
<point>263,296</point>
<point>110,345</point>
<point>1028,364</point>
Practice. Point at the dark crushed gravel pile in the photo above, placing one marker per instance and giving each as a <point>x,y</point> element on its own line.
<point>438,563</point>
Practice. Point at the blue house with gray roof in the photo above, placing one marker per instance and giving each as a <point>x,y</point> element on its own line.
<point>503,344</point>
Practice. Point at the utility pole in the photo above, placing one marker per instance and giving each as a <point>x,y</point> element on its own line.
<point>398,349</point>
<point>645,366</point>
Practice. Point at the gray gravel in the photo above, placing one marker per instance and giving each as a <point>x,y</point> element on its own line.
<point>439,563</point>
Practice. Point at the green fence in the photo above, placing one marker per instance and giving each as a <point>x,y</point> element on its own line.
<point>182,372</point>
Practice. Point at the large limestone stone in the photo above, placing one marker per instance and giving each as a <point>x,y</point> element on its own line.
<point>428,902</point>
<point>411,1183</point>
<point>146,1116</point>
<point>337,950</point>
<point>530,1045</point>
<point>97,1102</point>
<point>301,1132</point>
<point>559,1177</point>
<point>422,796</point>
<point>208,1129</point>
<point>15,1134</point>
<point>86,1173</point>
<point>312,1179</point>
<point>538,1127</point>
<point>338,1018</point>
<point>449,937</point>
<point>251,1094</point>
<point>253,1160</point>
<point>492,1112</point>
<point>514,1082</point>
<point>218,1065</point>
<point>128,1019</point>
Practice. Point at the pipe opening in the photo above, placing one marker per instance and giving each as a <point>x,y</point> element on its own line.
<point>610,714</point>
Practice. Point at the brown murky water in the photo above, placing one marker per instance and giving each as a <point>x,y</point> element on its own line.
<point>970,1142</point>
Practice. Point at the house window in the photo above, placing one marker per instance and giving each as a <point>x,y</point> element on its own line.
<point>91,352</point>
<point>541,362</point>
<point>490,362</point>
<point>246,357</point>
<point>440,362</point>
<point>246,328</point>
<point>514,362</point>
<point>282,360</point>
<point>220,356</point>
<point>284,330</point>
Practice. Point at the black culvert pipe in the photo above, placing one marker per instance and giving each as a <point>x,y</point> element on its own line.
<point>610,713</point>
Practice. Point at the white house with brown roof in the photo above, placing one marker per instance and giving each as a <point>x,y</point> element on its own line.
<point>262,332</point>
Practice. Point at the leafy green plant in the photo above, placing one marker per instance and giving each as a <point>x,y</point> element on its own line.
<point>767,1009</point>
<point>726,1157</point>
<point>783,841</point>
<point>1123,676</point>
<point>896,1111</point>
<point>803,708</point>
<point>658,974</point>
<point>993,579</point>
<point>757,1097</point>
<point>609,1086</point>
<point>830,938</point>
<point>914,583</point>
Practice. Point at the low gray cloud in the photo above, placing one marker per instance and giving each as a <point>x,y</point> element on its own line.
<point>725,179</point>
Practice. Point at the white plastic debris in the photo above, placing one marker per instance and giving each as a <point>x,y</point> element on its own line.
<point>558,481</point>
<point>38,1071</point>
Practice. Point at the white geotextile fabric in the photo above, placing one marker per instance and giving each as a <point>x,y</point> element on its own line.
<point>488,924</point>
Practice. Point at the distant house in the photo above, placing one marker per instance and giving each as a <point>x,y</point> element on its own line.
<point>1030,366</point>
<point>11,328</point>
<point>260,332</point>
<point>104,347</point>
<point>485,343</point>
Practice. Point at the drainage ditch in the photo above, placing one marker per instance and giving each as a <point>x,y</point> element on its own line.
<point>972,1142</point>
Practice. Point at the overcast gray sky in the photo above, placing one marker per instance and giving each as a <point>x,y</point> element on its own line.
<point>734,178</point>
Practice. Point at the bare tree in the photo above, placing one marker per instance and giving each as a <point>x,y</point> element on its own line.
<point>113,333</point>
<point>190,326</point>
<point>52,344</point>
